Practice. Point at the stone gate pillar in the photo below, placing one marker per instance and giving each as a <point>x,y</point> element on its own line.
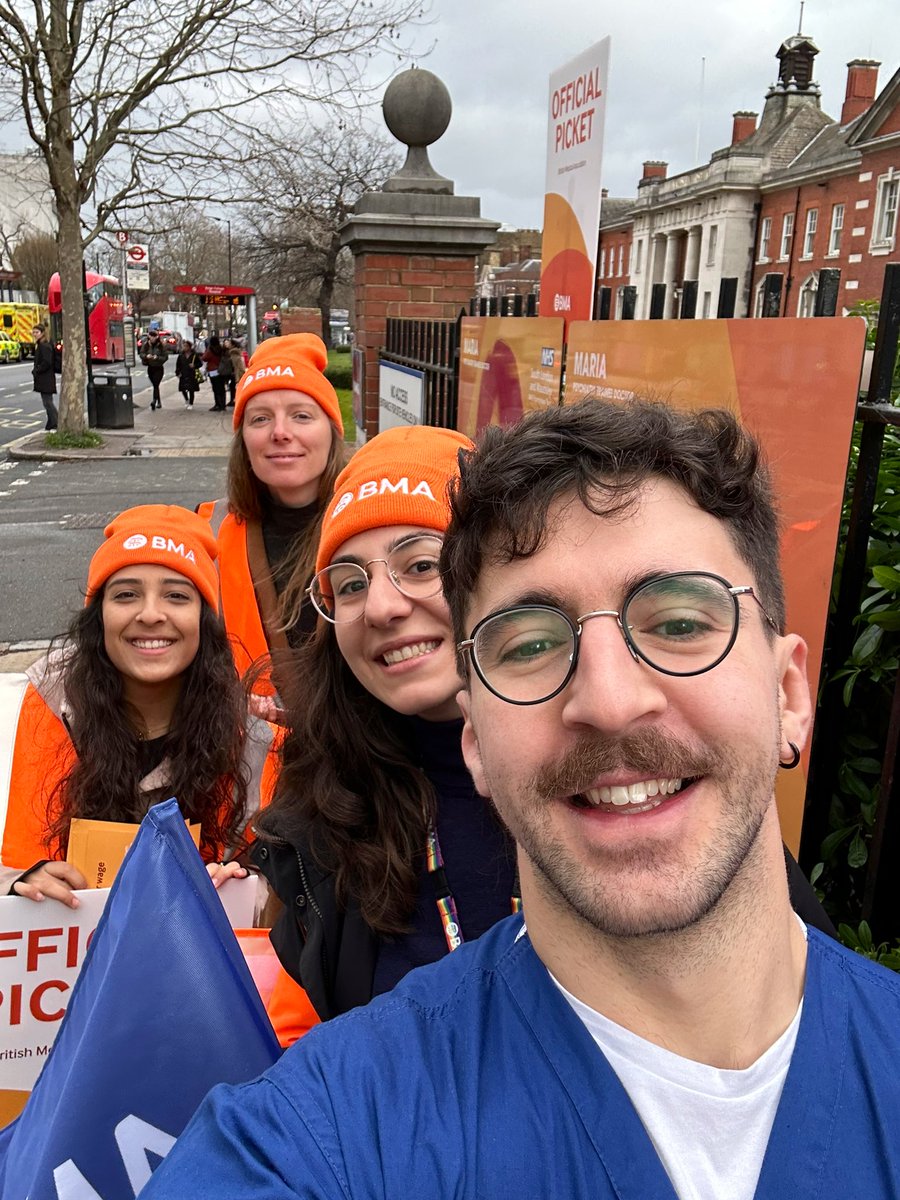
<point>414,243</point>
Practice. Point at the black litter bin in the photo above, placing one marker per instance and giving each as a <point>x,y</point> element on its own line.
<point>112,403</point>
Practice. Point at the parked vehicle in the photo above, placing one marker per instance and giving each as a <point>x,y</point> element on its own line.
<point>17,321</point>
<point>10,350</point>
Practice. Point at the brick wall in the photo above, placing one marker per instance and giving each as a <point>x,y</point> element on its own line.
<point>301,320</point>
<point>862,270</point>
<point>609,277</point>
<point>424,286</point>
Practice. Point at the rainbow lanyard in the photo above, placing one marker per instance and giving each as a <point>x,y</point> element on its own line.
<point>446,905</point>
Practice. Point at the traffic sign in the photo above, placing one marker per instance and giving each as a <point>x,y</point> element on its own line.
<point>122,237</point>
<point>137,254</point>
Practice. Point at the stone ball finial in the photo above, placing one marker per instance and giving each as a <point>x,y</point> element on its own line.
<point>417,107</point>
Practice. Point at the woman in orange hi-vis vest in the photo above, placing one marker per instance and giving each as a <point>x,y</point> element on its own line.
<point>141,702</point>
<point>287,451</point>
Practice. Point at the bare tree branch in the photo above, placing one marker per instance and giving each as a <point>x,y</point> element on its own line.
<point>111,92</point>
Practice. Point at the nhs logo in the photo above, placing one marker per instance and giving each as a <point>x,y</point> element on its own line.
<point>548,356</point>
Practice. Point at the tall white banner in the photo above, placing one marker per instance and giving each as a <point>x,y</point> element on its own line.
<point>576,114</point>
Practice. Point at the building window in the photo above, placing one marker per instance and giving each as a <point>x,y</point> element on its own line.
<point>620,301</point>
<point>837,225</point>
<point>621,256</point>
<point>707,301</point>
<point>759,302</point>
<point>806,303</point>
<point>603,263</point>
<point>638,258</point>
<point>886,211</point>
<point>809,237</point>
<point>711,245</point>
<point>765,235</point>
<point>787,233</point>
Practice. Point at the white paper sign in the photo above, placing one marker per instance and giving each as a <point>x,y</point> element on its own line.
<point>401,396</point>
<point>42,948</point>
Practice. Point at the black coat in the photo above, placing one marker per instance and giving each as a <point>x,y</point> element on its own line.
<point>42,369</point>
<point>330,952</point>
<point>153,357</point>
<point>186,368</point>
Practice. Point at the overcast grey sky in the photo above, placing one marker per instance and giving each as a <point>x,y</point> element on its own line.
<point>495,56</point>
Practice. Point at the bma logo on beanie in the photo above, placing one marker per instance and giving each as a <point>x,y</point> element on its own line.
<point>381,487</point>
<point>346,499</point>
<point>162,535</point>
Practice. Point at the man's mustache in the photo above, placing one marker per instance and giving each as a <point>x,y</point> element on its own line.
<point>651,753</point>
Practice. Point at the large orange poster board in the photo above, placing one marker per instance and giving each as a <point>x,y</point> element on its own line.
<point>507,366</point>
<point>794,384</point>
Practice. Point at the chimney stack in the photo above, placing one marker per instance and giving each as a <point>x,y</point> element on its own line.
<point>744,125</point>
<point>862,84</point>
<point>654,170</point>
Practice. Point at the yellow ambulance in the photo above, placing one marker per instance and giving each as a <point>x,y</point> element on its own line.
<point>18,320</point>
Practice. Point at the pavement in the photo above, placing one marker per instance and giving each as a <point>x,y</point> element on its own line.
<point>170,431</point>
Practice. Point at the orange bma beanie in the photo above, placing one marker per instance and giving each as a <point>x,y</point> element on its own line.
<point>296,361</point>
<point>164,535</point>
<point>399,478</point>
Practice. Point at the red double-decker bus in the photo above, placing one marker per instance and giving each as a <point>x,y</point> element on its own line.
<point>105,313</point>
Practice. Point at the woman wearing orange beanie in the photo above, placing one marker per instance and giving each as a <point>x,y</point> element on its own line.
<point>287,451</point>
<point>384,856</point>
<point>139,703</point>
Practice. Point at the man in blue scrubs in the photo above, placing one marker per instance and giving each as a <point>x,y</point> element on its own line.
<point>662,1024</point>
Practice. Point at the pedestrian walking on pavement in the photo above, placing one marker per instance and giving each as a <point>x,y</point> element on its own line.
<point>188,366</point>
<point>154,356</point>
<point>235,360</point>
<point>213,357</point>
<point>44,374</point>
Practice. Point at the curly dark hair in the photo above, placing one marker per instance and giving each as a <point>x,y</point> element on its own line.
<point>203,748</point>
<point>349,786</point>
<point>602,453</point>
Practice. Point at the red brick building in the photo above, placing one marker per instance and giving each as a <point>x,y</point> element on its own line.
<point>614,264</point>
<point>748,233</point>
<point>834,206</point>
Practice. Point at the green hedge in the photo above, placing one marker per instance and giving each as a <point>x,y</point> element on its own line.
<point>340,374</point>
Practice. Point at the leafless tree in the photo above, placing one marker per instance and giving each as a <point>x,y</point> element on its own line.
<point>134,99</point>
<point>36,257</point>
<point>307,189</point>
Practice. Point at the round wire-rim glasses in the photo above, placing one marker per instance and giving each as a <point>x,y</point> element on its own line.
<point>339,591</point>
<point>683,623</point>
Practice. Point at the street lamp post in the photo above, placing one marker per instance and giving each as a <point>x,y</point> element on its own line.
<point>227,223</point>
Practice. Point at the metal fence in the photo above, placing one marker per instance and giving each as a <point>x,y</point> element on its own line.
<point>431,347</point>
<point>881,896</point>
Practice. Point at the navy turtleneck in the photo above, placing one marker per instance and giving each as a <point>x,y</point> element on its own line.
<point>479,857</point>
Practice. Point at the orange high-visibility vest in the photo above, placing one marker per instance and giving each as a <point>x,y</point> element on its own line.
<point>237,596</point>
<point>39,753</point>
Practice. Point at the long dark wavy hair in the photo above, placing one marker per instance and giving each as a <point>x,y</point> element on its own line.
<point>203,749</point>
<point>350,787</point>
<point>245,499</point>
